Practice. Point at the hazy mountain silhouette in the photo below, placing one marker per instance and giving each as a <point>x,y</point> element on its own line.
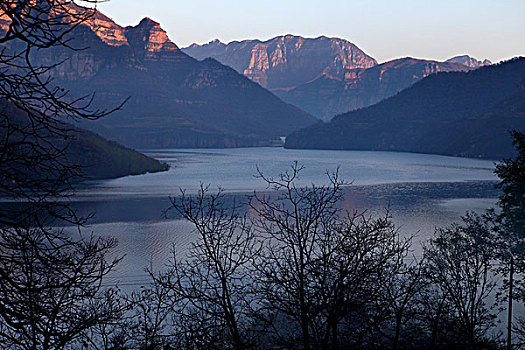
<point>327,96</point>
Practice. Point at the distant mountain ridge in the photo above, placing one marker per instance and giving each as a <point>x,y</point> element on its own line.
<point>323,76</point>
<point>286,61</point>
<point>174,100</point>
<point>468,61</point>
<point>451,113</point>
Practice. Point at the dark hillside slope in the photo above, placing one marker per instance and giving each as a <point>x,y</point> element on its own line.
<point>485,135</point>
<point>405,122</point>
<point>103,159</point>
<point>93,156</point>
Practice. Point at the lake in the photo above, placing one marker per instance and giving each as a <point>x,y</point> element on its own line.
<point>420,191</point>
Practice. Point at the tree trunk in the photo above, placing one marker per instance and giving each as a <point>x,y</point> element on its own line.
<point>397,332</point>
<point>509,319</point>
<point>335,340</point>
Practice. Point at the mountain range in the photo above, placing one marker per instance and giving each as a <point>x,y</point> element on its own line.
<point>324,76</point>
<point>453,113</point>
<point>173,99</point>
<point>221,96</point>
<point>287,61</point>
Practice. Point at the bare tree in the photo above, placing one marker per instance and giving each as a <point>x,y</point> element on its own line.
<point>359,256</point>
<point>319,269</point>
<point>460,263</point>
<point>51,288</point>
<point>209,284</point>
<point>435,316</point>
<point>398,302</point>
<point>50,282</point>
<point>292,219</point>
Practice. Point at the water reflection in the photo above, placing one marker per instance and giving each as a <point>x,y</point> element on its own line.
<point>420,191</point>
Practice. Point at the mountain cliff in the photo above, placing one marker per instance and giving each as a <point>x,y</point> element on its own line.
<point>287,61</point>
<point>328,96</point>
<point>452,113</point>
<point>148,37</point>
<point>173,99</point>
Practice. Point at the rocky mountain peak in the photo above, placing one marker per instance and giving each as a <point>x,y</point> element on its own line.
<point>286,61</point>
<point>469,61</point>
<point>148,35</point>
<point>103,27</point>
<point>146,21</point>
<point>217,42</point>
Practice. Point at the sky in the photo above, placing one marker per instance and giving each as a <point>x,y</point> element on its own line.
<point>384,29</point>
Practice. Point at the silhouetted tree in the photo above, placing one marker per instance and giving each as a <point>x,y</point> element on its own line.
<point>359,256</point>
<point>209,285</point>
<point>398,303</point>
<point>319,269</point>
<point>460,263</point>
<point>293,221</point>
<point>51,291</point>
<point>512,175</point>
<point>436,316</point>
<point>512,233</point>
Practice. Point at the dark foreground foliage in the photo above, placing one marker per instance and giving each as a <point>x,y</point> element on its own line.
<point>51,290</point>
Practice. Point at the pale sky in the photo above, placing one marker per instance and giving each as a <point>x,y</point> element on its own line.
<point>384,29</point>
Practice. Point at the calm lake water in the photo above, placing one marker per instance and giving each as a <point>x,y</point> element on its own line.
<point>421,192</point>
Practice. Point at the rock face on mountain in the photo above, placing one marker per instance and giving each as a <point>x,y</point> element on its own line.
<point>107,30</point>
<point>173,100</point>
<point>452,113</point>
<point>287,61</point>
<point>149,37</point>
<point>322,76</point>
<point>327,96</point>
<point>468,61</point>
